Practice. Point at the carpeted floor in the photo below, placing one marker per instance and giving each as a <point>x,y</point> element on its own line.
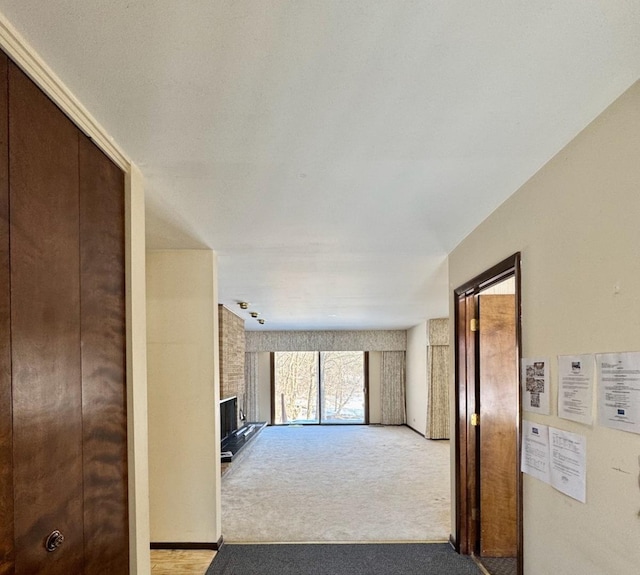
<point>338,484</point>
<point>369,559</point>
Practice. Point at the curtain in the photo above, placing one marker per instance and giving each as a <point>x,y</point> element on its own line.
<point>437,392</point>
<point>251,386</point>
<point>392,388</point>
<point>370,340</point>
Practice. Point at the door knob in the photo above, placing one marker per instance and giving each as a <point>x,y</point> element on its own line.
<point>54,540</point>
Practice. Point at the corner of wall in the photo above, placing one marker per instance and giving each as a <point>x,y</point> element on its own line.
<point>137,434</point>
<point>416,381</point>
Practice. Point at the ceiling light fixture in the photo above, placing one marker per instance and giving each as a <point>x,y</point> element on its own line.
<point>254,314</point>
<point>243,304</point>
<point>261,321</point>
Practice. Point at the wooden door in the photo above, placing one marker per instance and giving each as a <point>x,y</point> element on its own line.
<point>45,328</point>
<point>498,448</point>
<point>6,430</point>
<point>63,421</point>
<point>102,316</point>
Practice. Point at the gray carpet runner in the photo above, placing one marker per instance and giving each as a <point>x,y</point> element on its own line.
<point>349,559</point>
<point>500,565</point>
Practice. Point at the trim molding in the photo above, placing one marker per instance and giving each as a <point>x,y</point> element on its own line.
<point>415,431</point>
<point>452,542</point>
<point>21,52</point>
<point>189,546</point>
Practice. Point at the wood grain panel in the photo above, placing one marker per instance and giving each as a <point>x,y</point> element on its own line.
<point>47,408</point>
<point>498,426</point>
<point>172,562</point>
<point>103,362</point>
<point>6,433</point>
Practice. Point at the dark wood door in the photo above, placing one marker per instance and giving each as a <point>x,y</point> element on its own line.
<point>45,328</point>
<point>63,421</point>
<point>102,316</point>
<point>6,430</point>
<point>498,393</point>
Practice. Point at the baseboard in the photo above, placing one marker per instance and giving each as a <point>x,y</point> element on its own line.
<point>191,546</point>
<point>423,435</point>
<point>452,542</point>
<point>415,430</point>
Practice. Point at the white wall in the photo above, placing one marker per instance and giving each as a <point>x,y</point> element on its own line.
<point>577,224</point>
<point>184,392</point>
<point>416,386</point>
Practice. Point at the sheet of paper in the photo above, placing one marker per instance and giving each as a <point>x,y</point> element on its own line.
<point>535,385</point>
<point>535,450</point>
<point>619,390</point>
<point>575,388</point>
<point>568,463</point>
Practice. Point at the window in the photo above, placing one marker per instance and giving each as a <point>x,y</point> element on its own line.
<point>319,387</point>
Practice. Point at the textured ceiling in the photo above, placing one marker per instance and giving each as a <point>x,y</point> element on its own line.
<point>333,152</point>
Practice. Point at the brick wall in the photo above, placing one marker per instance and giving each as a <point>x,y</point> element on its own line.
<point>232,346</point>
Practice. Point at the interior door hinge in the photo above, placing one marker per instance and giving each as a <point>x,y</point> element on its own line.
<point>475,419</point>
<point>474,324</point>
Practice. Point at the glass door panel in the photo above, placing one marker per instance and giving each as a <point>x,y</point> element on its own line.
<point>296,387</point>
<point>343,387</point>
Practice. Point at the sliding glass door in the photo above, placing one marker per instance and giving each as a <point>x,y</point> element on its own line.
<point>319,387</point>
<point>343,386</point>
<point>296,387</point>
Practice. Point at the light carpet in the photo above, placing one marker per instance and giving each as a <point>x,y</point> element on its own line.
<point>338,484</point>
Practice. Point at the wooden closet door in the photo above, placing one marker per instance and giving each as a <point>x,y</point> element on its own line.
<point>102,274</point>
<point>498,426</point>
<point>45,320</point>
<point>6,434</point>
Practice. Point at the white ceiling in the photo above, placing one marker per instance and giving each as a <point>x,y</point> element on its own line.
<point>332,152</point>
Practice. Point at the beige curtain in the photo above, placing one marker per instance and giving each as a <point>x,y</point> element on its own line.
<point>369,340</point>
<point>438,392</point>
<point>392,388</point>
<point>438,379</point>
<point>251,383</point>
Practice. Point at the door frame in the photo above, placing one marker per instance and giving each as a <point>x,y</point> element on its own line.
<point>466,369</point>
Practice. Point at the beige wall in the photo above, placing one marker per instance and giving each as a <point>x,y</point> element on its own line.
<point>137,425</point>
<point>183,388</point>
<point>577,224</point>
<point>417,377</point>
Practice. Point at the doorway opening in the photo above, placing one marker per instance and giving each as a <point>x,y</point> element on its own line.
<point>488,418</point>
<point>327,387</point>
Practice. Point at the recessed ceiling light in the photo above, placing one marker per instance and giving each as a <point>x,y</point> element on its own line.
<point>243,304</point>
